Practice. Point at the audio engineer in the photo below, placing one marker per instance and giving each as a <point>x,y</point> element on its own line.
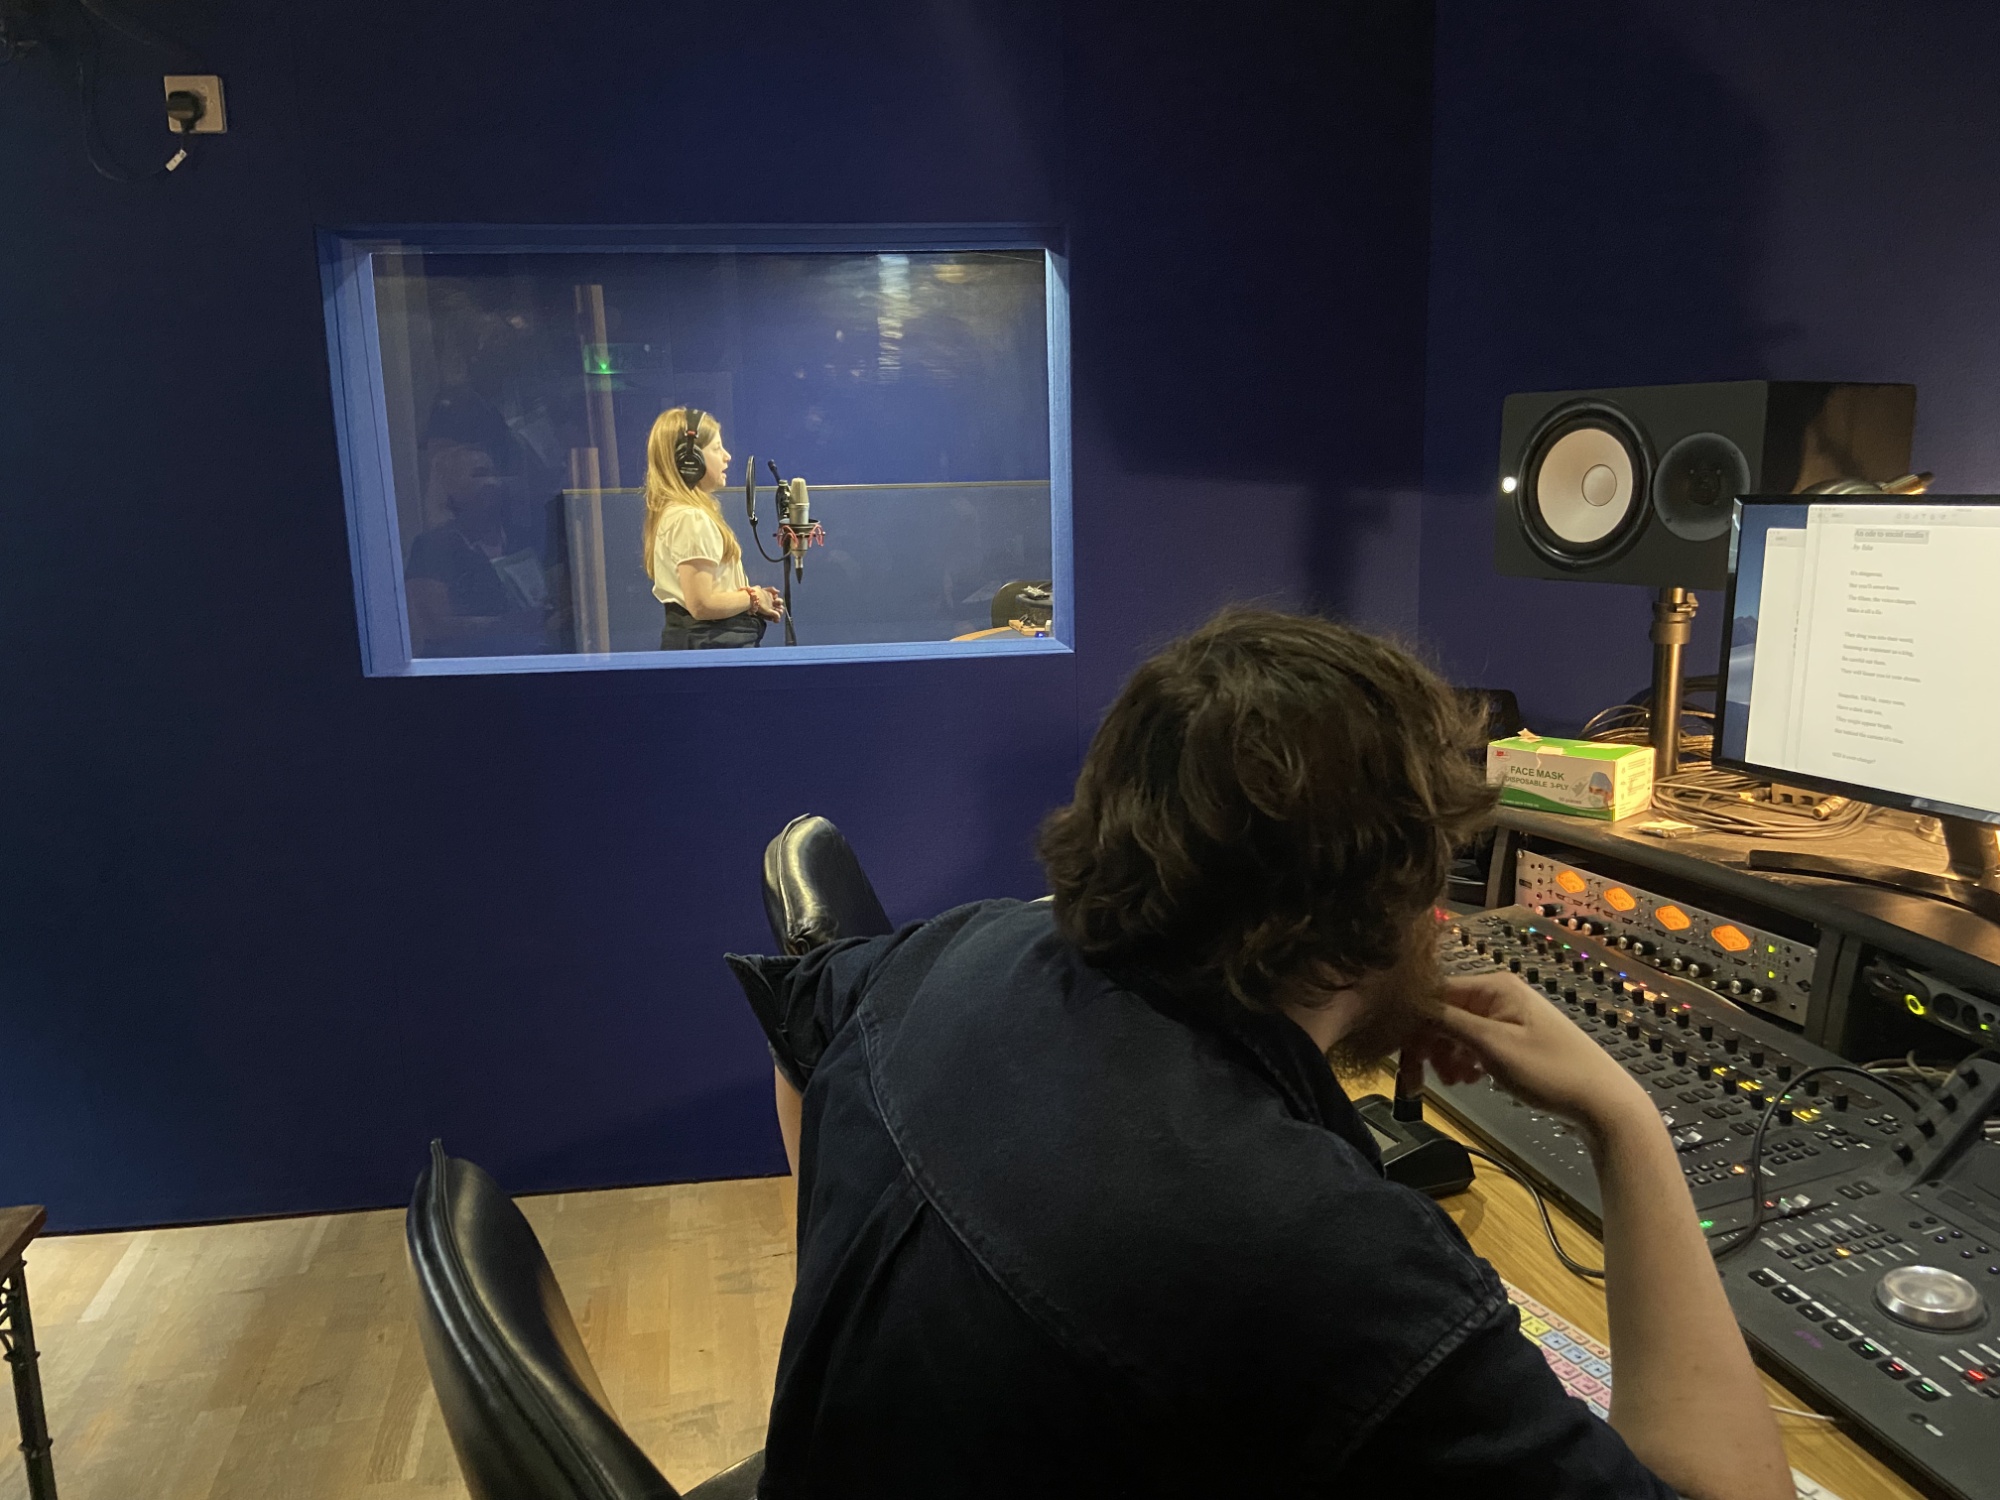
<point>1084,1209</point>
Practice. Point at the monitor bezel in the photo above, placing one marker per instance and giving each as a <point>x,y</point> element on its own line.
<point>1876,796</point>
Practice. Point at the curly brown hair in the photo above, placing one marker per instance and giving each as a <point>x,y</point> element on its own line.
<point>1272,799</point>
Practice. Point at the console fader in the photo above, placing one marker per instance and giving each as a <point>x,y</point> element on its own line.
<point>1874,1281</point>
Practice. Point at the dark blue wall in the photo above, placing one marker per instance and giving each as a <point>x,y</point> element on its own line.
<point>266,926</point>
<point>1637,192</point>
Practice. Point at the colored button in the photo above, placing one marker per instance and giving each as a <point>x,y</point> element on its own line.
<point>1866,1349</point>
<point>1788,1294</point>
<point>1764,1276</point>
<point>1895,1369</point>
<point>1926,1390</point>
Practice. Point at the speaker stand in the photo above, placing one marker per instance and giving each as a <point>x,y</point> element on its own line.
<point>1673,626</point>
<point>1972,879</point>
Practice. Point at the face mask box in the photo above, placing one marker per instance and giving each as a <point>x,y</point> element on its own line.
<point>1580,778</point>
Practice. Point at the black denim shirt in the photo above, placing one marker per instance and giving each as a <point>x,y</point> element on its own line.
<point>1057,1236</point>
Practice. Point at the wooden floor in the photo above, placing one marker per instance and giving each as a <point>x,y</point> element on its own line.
<point>280,1359</point>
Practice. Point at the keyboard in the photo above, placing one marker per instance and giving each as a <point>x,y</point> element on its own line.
<point>1583,1365</point>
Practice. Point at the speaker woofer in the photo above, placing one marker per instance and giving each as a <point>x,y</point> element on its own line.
<point>1697,483</point>
<point>1582,497</point>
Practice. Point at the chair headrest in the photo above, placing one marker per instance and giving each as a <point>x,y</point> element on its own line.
<point>814,889</point>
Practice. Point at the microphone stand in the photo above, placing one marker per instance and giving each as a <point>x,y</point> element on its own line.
<point>793,536</point>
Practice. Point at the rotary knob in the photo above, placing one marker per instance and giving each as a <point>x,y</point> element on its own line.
<point>1927,1297</point>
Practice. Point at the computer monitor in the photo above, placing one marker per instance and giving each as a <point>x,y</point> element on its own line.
<point>1862,657</point>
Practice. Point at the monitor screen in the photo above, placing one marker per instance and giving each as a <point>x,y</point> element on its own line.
<point>1862,652</point>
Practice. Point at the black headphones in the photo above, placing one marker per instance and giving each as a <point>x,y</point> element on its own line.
<point>689,461</point>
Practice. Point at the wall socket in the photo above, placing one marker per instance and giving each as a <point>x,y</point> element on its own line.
<point>213,120</point>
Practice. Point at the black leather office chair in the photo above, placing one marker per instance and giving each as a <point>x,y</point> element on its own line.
<point>526,1413</point>
<point>814,888</point>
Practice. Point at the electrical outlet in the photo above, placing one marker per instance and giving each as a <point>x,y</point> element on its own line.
<point>208,88</point>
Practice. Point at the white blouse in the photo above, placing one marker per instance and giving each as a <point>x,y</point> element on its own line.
<point>687,534</point>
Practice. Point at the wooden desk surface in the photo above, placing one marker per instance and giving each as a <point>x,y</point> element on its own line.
<point>1498,1216</point>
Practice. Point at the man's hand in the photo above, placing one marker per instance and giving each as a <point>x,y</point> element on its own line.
<point>1496,1024</point>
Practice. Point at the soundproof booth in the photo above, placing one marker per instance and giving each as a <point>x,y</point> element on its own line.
<point>1000,747</point>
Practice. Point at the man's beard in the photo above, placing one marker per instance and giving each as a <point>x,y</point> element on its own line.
<point>1400,999</point>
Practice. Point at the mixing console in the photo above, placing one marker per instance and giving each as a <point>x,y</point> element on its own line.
<point>1710,1063</point>
<point>1873,1280</point>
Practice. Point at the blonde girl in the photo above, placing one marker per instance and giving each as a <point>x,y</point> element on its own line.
<point>691,554</point>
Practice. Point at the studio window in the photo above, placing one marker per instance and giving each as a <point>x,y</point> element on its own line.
<point>596,450</point>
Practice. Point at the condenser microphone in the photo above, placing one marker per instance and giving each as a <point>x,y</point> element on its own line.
<point>800,515</point>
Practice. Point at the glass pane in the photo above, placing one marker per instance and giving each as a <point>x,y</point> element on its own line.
<point>908,391</point>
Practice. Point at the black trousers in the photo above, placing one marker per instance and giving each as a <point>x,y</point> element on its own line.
<point>683,632</point>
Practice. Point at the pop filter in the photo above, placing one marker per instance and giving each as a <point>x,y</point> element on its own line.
<point>750,489</point>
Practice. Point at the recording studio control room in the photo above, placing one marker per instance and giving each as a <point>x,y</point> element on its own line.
<point>975,748</point>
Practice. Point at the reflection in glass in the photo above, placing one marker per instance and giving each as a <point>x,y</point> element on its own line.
<point>525,392</point>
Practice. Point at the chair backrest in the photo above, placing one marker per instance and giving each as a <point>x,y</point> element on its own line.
<point>814,888</point>
<point>525,1410</point>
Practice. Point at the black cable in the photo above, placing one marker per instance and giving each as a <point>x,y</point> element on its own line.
<point>87,58</point>
<point>1574,1266</point>
<point>1732,1240</point>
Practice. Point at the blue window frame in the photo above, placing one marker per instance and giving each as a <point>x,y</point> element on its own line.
<point>494,389</point>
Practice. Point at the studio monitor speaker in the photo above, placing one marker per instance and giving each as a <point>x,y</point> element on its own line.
<point>1635,485</point>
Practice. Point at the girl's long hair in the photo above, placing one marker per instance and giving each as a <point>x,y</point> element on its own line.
<point>664,485</point>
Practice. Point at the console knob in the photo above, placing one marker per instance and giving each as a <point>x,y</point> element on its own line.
<point>1660,1006</point>
<point>1731,1043</point>
<point>1590,1005</point>
<point>1569,994</point>
<point>1480,946</point>
<point>1735,986</point>
<point>1632,1030</point>
<point>1756,1057</point>
<point>1656,1042</point>
<point>1600,974</point>
<point>1812,1087</point>
<point>1677,965</point>
<point>1927,1297</point>
<point>1534,974</point>
<point>1680,1057</point>
<point>1903,1151</point>
<point>1683,1019</point>
<point>1926,1125</point>
<point>1707,1031</point>
<point>1840,1101</point>
<point>1514,965</point>
<point>1784,1114</point>
<point>1577,966</point>
<point>1548,909</point>
<point>1696,970</point>
<point>1784,1072</point>
<point>1729,1085</point>
<point>1641,947</point>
